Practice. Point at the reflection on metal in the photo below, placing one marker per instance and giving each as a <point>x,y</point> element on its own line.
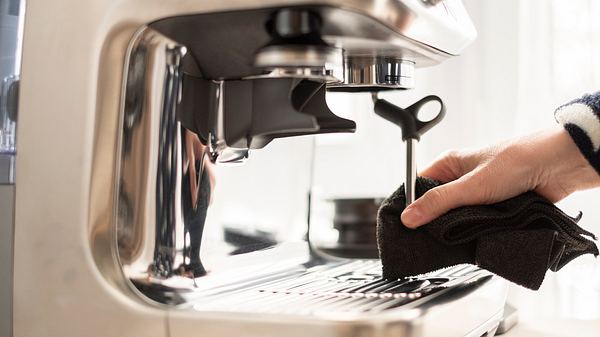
<point>376,73</point>
<point>302,61</point>
<point>168,180</point>
<point>9,98</point>
<point>164,187</point>
<point>12,14</point>
<point>297,48</point>
<point>315,74</point>
<point>351,296</point>
<point>164,179</point>
<point>353,286</point>
<point>355,220</point>
<point>177,122</point>
<point>218,148</point>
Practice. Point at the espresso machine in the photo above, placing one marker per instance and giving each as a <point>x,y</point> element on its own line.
<point>162,181</point>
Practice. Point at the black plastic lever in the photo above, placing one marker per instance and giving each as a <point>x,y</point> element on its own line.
<point>412,130</point>
<point>407,119</point>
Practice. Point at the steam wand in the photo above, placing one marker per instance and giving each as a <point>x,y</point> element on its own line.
<point>412,130</point>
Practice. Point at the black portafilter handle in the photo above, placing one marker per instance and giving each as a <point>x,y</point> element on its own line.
<point>407,118</point>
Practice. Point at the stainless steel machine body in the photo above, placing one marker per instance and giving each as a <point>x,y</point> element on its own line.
<point>145,219</point>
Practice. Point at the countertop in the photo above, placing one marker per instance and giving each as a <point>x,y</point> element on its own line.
<point>556,328</point>
<point>567,304</point>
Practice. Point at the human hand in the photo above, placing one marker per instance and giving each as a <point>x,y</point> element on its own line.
<point>548,163</point>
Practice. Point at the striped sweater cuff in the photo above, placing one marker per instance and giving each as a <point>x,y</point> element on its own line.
<point>581,118</point>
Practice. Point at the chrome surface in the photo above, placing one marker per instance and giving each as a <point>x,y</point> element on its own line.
<point>341,287</point>
<point>171,154</point>
<point>8,125</point>
<point>11,35</point>
<point>312,73</point>
<point>302,61</point>
<point>12,14</point>
<point>8,111</point>
<point>411,170</point>
<point>457,301</point>
<point>218,148</point>
<point>165,182</point>
<point>444,26</point>
<point>354,223</point>
<point>189,232</point>
<point>175,156</point>
<point>279,56</point>
<point>411,31</point>
<point>375,73</point>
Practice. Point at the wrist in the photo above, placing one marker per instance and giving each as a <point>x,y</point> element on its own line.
<point>564,163</point>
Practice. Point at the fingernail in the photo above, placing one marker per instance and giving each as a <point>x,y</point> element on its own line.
<point>411,217</point>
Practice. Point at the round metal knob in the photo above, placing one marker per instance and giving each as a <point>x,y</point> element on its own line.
<point>294,23</point>
<point>376,73</point>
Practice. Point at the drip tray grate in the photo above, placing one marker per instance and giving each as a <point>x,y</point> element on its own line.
<point>355,286</point>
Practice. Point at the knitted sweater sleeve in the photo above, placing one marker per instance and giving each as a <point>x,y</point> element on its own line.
<point>581,118</point>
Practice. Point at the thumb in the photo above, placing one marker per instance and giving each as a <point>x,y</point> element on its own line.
<point>438,201</point>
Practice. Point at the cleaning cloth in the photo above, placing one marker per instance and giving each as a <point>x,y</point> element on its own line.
<point>518,239</point>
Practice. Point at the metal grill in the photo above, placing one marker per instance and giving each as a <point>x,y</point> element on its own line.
<point>354,286</point>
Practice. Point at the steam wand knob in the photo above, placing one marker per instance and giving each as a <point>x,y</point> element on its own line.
<point>412,130</point>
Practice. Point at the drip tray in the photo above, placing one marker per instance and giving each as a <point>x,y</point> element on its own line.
<point>355,287</point>
<point>350,298</point>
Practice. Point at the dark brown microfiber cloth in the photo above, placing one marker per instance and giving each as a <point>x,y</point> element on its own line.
<point>517,239</point>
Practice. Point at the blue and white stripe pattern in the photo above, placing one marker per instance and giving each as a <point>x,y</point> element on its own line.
<point>581,118</point>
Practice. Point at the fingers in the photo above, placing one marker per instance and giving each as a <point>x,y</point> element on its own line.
<point>467,190</point>
<point>452,165</point>
<point>494,174</point>
<point>465,175</point>
<point>445,169</point>
<point>432,204</point>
